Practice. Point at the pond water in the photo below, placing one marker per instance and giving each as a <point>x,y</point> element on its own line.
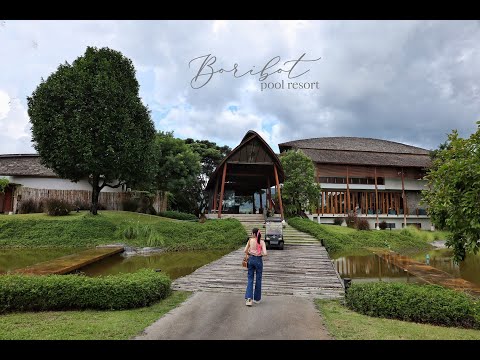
<point>175,264</point>
<point>11,259</point>
<point>364,268</point>
<point>368,268</point>
<point>469,269</point>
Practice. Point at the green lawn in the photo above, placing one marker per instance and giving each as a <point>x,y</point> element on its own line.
<point>341,240</point>
<point>84,230</point>
<point>86,325</point>
<point>344,324</point>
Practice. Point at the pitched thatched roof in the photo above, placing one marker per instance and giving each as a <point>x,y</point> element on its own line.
<point>360,151</point>
<point>23,165</point>
<point>250,164</point>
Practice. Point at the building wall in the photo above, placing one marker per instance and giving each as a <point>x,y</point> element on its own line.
<point>366,171</point>
<point>424,221</point>
<point>56,184</point>
<point>409,184</point>
<point>413,201</point>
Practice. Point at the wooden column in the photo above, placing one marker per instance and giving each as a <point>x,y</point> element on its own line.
<point>327,202</point>
<point>404,202</point>
<point>220,204</point>
<point>335,211</point>
<point>366,202</point>
<point>215,195</point>
<point>253,203</point>
<point>269,194</point>
<point>279,192</point>
<point>376,197</point>
<point>348,193</point>
<point>323,197</point>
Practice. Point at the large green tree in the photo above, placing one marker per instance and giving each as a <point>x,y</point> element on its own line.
<point>178,168</point>
<point>453,194</point>
<point>300,189</point>
<point>211,155</point>
<point>88,121</point>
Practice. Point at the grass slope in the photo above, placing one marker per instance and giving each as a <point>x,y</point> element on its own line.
<point>82,230</point>
<point>340,239</point>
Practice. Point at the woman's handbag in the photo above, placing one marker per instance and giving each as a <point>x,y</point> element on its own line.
<point>245,258</point>
<point>245,261</point>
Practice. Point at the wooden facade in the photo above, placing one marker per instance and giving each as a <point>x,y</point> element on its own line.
<point>252,167</point>
<point>367,202</point>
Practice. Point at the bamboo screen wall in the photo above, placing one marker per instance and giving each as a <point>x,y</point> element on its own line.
<point>337,202</point>
<point>111,200</point>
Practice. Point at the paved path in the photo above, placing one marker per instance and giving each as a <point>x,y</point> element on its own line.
<point>301,270</point>
<point>222,316</point>
<point>217,308</point>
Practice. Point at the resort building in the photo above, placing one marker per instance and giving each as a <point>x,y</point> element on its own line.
<point>377,179</point>
<point>29,179</point>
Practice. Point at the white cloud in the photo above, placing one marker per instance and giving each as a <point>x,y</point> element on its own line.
<point>14,126</point>
<point>409,80</point>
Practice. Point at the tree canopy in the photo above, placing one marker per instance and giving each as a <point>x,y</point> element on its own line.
<point>453,196</point>
<point>3,184</point>
<point>178,168</point>
<point>299,188</point>
<point>88,121</point>
<point>210,155</point>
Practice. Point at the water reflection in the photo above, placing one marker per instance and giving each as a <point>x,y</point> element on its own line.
<point>373,268</point>
<point>175,264</point>
<point>442,259</point>
<point>370,268</point>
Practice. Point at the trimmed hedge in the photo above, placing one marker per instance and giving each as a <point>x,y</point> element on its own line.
<point>62,292</point>
<point>177,215</point>
<point>430,304</point>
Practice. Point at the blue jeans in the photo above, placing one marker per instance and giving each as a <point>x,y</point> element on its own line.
<point>255,265</point>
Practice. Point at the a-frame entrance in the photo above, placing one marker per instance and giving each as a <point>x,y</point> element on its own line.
<point>249,168</point>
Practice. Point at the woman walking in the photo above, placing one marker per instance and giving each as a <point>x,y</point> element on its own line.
<point>255,249</point>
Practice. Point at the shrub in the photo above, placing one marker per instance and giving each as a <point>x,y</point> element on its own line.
<point>362,224</point>
<point>62,292</point>
<point>30,206</point>
<point>81,205</point>
<point>412,230</point>
<point>100,206</point>
<point>382,225</point>
<point>57,207</point>
<point>431,304</point>
<point>177,215</point>
<point>351,219</point>
<point>146,234</point>
<point>338,221</point>
<point>130,204</point>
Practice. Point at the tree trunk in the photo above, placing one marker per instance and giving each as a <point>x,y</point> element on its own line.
<point>95,195</point>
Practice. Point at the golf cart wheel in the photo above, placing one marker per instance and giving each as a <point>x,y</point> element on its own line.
<point>281,245</point>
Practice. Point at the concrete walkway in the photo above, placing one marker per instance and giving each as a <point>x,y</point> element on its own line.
<point>223,316</point>
<point>217,311</point>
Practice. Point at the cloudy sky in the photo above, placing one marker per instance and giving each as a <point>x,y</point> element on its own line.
<point>406,81</point>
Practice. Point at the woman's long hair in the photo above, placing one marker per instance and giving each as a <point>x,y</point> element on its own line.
<point>258,235</point>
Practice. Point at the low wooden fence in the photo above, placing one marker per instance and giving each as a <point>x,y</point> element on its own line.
<point>110,200</point>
